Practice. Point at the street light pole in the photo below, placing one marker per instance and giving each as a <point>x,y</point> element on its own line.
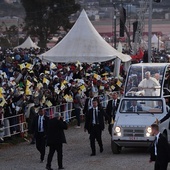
<point>114,17</point>
<point>150,32</point>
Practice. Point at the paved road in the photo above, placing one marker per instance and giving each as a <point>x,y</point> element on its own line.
<point>76,156</point>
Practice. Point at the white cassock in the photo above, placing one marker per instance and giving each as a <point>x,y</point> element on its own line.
<point>151,87</point>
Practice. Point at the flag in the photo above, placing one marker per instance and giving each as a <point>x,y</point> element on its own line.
<point>112,87</point>
<point>53,66</point>
<point>119,83</point>
<point>1,91</point>
<point>83,88</point>
<point>22,66</point>
<point>57,90</point>
<point>39,85</point>
<point>70,98</point>
<point>29,66</point>
<point>46,81</point>
<point>96,76</point>
<point>3,101</point>
<point>28,83</point>
<point>48,103</point>
<point>78,64</point>
<point>87,74</point>
<point>28,91</point>
<point>105,74</point>
<point>101,87</point>
<point>47,72</point>
<point>62,86</point>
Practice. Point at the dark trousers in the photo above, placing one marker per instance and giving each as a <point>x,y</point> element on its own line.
<point>41,144</point>
<point>161,165</point>
<point>52,148</point>
<point>95,133</point>
<point>77,113</point>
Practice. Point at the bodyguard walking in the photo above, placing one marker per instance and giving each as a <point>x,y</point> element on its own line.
<point>94,124</point>
<point>55,140</point>
<point>159,149</point>
<point>39,129</point>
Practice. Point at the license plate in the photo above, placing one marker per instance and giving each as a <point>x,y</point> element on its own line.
<point>133,138</point>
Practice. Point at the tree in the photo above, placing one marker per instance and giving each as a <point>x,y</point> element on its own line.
<point>46,17</point>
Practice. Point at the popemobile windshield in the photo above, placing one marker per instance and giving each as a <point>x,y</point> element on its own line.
<point>145,101</point>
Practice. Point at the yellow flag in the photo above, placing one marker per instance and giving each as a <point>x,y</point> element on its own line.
<point>46,81</point>
<point>43,99</point>
<point>96,76</point>
<point>1,96</point>
<point>57,90</point>
<point>29,66</point>
<point>2,90</point>
<point>28,91</point>
<point>70,98</point>
<point>22,66</point>
<point>87,74</point>
<point>53,66</point>
<point>78,64</point>
<point>65,82</point>
<point>39,85</point>
<point>83,88</point>
<point>66,97</point>
<point>101,87</point>
<point>112,87</point>
<point>47,72</point>
<point>105,74</point>
<point>48,103</point>
<point>62,86</point>
<point>28,83</point>
<point>3,101</point>
<point>119,83</point>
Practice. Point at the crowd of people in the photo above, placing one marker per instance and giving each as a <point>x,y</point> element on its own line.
<point>27,83</point>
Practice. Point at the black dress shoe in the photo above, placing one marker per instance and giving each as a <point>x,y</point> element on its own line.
<point>61,168</point>
<point>48,168</point>
<point>101,150</point>
<point>93,154</point>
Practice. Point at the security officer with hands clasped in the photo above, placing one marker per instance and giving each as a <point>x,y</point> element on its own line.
<point>94,124</point>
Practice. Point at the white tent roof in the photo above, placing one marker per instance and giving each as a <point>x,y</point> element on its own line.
<point>28,43</point>
<point>155,39</point>
<point>82,43</point>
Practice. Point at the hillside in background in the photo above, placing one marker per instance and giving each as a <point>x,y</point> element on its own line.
<point>11,9</point>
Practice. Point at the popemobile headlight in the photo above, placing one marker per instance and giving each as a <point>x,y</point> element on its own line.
<point>149,130</point>
<point>117,129</point>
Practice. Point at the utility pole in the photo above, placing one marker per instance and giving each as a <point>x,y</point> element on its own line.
<point>150,32</point>
<point>114,17</point>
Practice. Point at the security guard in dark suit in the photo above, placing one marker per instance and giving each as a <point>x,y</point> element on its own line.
<point>39,129</point>
<point>94,124</point>
<point>159,150</point>
<point>55,140</point>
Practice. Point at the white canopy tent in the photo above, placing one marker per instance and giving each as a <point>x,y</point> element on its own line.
<point>83,43</point>
<point>28,43</point>
<point>156,42</point>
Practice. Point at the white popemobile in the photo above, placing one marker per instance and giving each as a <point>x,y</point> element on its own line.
<point>144,102</point>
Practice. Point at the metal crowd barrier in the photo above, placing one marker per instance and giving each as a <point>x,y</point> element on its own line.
<point>19,125</point>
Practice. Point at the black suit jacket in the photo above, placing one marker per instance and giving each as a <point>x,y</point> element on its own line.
<point>55,132</point>
<point>110,110</point>
<point>162,150</point>
<point>86,106</point>
<point>89,119</point>
<point>34,127</point>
